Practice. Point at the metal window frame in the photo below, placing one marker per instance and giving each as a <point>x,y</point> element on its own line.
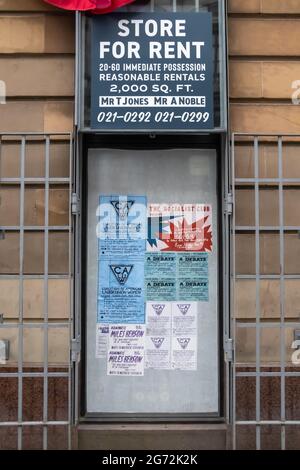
<point>258,324</point>
<point>22,139</point>
<point>80,415</point>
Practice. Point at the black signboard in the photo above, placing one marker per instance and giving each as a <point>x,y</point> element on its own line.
<point>152,71</point>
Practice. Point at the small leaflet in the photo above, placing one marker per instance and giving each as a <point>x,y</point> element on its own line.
<point>126,350</point>
<point>158,340</point>
<point>102,332</point>
<point>184,336</point>
<point>171,336</point>
<point>193,289</point>
<point>184,353</point>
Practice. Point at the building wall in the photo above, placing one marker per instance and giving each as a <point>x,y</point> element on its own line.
<point>37,66</point>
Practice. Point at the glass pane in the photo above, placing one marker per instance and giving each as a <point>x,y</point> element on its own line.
<point>192,179</point>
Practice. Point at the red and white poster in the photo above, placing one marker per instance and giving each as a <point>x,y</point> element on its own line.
<point>180,227</point>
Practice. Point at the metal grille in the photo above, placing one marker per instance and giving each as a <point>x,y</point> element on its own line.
<point>31,162</point>
<point>265,185</point>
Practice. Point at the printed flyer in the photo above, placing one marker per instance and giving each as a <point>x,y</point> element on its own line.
<point>121,233</point>
<point>171,336</point>
<point>126,350</point>
<point>102,332</point>
<point>121,291</point>
<point>184,353</point>
<point>176,276</point>
<point>122,226</point>
<point>180,227</point>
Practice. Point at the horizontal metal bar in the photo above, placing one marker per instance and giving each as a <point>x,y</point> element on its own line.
<point>34,276</point>
<point>34,180</point>
<point>267,324</point>
<point>247,134</point>
<point>33,423</point>
<point>267,374</point>
<point>216,130</point>
<point>266,423</point>
<point>33,375</point>
<point>40,324</point>
<point>269,228</point>
<point>37,228</point>
<point>268,180</point>
<point>26,134</point>
<point>267,276</point>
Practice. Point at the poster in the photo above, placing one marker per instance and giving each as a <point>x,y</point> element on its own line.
<point>126,350</point>
<point>181,276</point>
<point>193,289</point>
<point>102,332</point>
<point>122,225</point>
<point>121,291</point>
<point>184,336</point>
<point>158,340</point>
<point>152,71</point>
<point>184,319</point>
<point>121,232</point>
<point>158,352</point>
<point>192,265</point>
<point>184,353</point>
<point>161,289</point>
<point>171,336</point>
<point>179,227</point>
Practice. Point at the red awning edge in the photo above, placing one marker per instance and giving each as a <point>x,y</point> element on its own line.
<point>97,7</point>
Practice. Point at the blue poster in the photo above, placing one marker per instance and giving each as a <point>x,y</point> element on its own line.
<point>152,71</point>
<point>121,233</point>
<point>160,265</point>
<point>122,225</point>
<point>121,296</point>
<point>194,289</point>
<point>161,290</point>
<point>192,265</point>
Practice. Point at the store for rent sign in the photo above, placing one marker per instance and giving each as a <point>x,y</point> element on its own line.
<point>152,71</point>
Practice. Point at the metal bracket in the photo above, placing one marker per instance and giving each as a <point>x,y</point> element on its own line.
<point>75,204</point>
<point>75,349</point>
<point>228,349</point>
<point>229,204</point>
<point>4,350</point>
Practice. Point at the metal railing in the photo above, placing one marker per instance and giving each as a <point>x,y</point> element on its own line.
<point>40,370</point>
<point>250,426</point>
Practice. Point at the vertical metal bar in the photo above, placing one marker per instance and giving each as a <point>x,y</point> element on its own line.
<point>21,288</point>
<point>71,319</point>
<point>233,268</point>
<point>174,6</point>
<point>77,69</point>
<point>197,6</point>
<point>257,279</point>
<point>46,302</point>
<point>282,296</point>
<point>152,5</point>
